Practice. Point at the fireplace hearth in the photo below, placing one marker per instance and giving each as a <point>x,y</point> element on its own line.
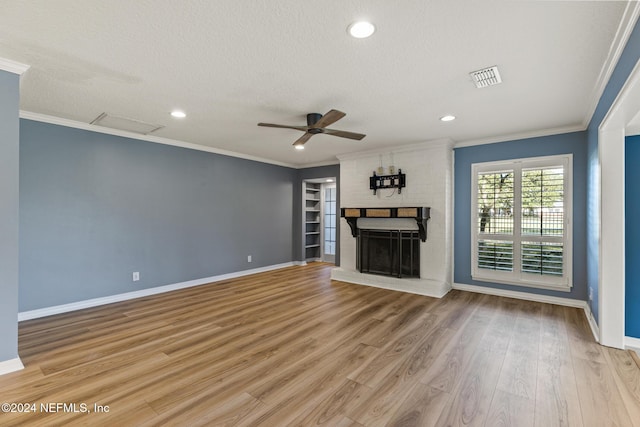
<point>389,252</point>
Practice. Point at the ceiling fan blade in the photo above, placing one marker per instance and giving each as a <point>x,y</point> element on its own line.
<point>344,134</point>
<point>304,138</point>
<point>331,117</point>
<point>271,125</point>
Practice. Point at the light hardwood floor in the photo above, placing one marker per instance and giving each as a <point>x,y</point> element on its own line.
<point>292,347</point>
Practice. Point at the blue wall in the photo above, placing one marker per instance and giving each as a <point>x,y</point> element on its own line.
<point>9,143</point>
<point>625,65</point>
<point>94,208</point>
<point>632,237</point>
<point>574,143</point>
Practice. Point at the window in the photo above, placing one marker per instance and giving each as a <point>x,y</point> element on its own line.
<point>330,220</point>
<point>521,222</point>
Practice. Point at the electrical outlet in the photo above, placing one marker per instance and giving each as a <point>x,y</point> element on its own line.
<point>136,276</point>
<point>248,258</point>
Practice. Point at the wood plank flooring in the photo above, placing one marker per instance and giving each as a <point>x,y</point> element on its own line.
<point>292,347</point>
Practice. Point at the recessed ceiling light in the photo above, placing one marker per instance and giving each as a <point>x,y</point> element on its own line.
<point>299,147</point>
<point>361,29</point>
<point>447,118</point>
<point>178,114</point>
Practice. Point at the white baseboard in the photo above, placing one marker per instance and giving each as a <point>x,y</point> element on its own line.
<point>427,287</point>
<point>595,330</point>
<point>568,302</point>
<point>64,308</point>
<point>11,365</point>
<point>631,343</point>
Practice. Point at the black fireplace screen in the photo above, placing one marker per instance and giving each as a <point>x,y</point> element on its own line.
<point>389,252</point>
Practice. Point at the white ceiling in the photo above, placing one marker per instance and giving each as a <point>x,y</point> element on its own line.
<point>230,64</point>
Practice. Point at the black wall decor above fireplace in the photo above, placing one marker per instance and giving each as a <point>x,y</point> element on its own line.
<point>389,252</point>
<point>398,181</point>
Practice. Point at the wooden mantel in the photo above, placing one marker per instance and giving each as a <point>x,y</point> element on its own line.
<point>421,215</point>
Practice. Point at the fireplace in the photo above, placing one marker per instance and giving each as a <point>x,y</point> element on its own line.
<point>389,252</point>
<point>385,243</point>
<point>429,191</point>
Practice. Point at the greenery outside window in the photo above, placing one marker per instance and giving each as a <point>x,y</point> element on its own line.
<point>521,222</point>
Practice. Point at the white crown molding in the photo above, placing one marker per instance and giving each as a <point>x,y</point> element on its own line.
<point>79,305</point>
<point>526,296</point>
<point>625,28</point>
<point>13,66</point>
<point>149,138</point>
<point>318,164</point>
<point>11,365</point>
<point>427,145</point>
<point>521,135</point>
<point>625,106</point>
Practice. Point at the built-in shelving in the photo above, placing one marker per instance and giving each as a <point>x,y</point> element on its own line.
<point>312,209</point>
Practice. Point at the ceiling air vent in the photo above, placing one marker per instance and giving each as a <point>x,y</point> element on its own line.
<point>486,77</point>
<point>122,123</point>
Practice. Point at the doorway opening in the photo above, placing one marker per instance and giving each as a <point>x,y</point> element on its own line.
<point>320,219</point>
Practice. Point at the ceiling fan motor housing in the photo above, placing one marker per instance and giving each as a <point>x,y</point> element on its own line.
<point>313,118</point>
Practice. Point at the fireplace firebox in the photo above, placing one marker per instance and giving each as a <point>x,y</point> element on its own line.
<point>388,252</point>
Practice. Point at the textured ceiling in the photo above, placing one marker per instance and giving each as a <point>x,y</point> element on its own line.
<point>232,63</point>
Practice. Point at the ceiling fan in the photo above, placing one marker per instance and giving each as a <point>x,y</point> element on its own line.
<point>317,123</point>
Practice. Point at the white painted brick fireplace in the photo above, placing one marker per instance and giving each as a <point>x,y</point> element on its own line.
<point>429,173</point>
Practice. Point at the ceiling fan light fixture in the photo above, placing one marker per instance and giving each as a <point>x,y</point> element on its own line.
<point>299,146</point>
<point>361,29</point>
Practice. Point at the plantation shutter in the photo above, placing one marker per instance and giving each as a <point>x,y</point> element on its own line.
<point>520,228</point>
<point>543,221</point>
<point>495,220</point>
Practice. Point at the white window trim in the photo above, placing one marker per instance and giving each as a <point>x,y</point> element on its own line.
<point>515,277</point>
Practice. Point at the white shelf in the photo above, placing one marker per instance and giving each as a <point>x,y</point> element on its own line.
<point>311,213</point>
